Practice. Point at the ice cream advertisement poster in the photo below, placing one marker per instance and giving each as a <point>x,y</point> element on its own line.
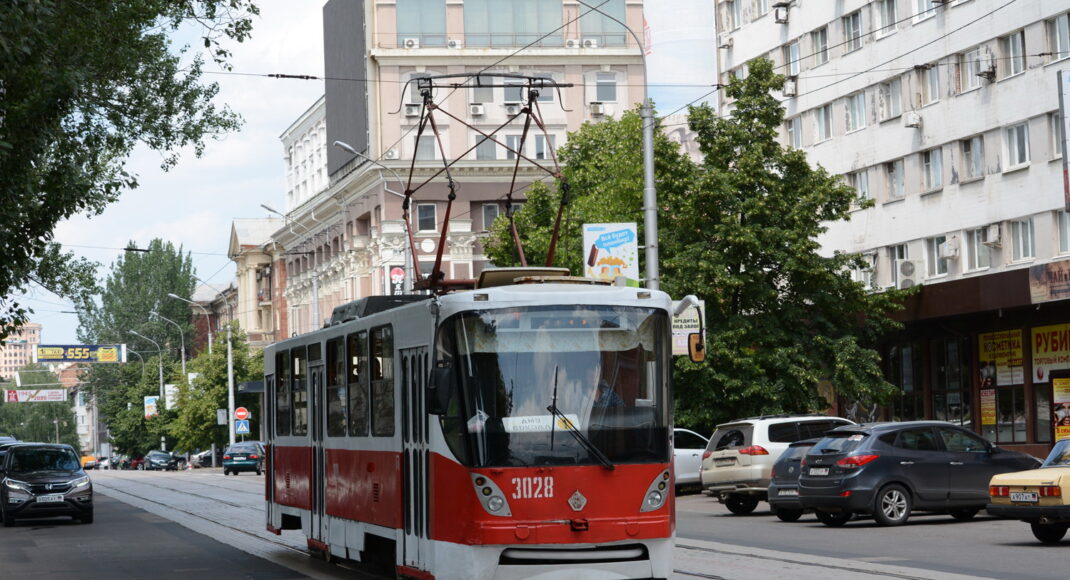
<point>612,250</point>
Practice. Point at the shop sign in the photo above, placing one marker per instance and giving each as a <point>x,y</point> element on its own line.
<point>685,324</point>
<point>1060,402</point>
<point>988,406</point>
<point>1001,358</point>
<point>1048,282</point>
<point>1051,350</point>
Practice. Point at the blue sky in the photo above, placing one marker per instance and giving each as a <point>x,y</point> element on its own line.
<point>193,204</point>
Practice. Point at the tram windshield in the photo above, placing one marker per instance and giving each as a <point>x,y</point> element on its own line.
<point>557,385</point>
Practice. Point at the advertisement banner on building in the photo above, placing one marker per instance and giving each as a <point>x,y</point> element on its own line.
<point>35,395</point>
<point>988,406</point>
<point>612,250</point>
<point>151,408</point>
<point>684,325</point>
<point>396,281</point>
<point>1060,403</point>
<point>79,353</point>
<point>1051,350</point>
<point>1048,282</point>
<point>1001,358</point>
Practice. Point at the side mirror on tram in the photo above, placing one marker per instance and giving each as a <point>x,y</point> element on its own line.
<point>439,390</point>
<point>696,349</point>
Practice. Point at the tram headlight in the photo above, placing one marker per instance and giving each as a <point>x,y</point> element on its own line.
<point>490,496</point>
<point>656,493</point>
<point>495,503</point>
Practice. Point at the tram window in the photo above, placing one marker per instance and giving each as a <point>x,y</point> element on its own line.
<point>357,350</point>
<point>299,390</point>
<point>314,352</point>
<point>282,393</point>
<point>336,388</point>
<point>269,404</point>
<point>382,375</point>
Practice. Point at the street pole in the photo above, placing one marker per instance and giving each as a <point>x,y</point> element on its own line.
<point>181,337</point>
<point>230,387</point>
<point>407,252</point>
<point>207,319</point>
<point>159,358</point>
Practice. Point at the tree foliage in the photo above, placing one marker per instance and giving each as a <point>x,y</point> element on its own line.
<point>81,84</point>
<point>781,317</point>
<point>39,421</point>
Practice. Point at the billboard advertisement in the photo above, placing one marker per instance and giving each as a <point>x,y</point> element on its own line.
<point>685,324</point>
<point>612,250</point>
<point>80,353</point>
<point>35,395</point>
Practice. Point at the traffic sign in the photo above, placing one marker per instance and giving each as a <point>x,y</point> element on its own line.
<point>241,413</point>
<point>241,427</point>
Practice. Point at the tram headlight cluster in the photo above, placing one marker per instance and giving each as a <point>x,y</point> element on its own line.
<point>657,493</point>
<point>490,496</point>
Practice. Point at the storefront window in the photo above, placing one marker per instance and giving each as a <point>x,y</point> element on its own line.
<point>1010,414</point>
<point>904,371</point>
<point>1042,425</point>
<point>950,384</point>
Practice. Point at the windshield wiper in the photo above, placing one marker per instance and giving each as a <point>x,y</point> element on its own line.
<point>583,440</point>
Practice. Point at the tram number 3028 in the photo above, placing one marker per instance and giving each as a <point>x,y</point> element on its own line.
<point>533,487</point>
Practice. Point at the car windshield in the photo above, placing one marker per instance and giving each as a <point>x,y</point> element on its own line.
<point>41,459</point>
<point>1060,455</point>
<point>158,455</point>
<point>557,385</point>
<point>838,442</point>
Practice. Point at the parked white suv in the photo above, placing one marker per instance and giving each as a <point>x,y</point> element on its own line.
<point>738,462</point>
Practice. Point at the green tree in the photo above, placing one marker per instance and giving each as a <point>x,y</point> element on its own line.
<point>39,421</point>
<point>82,83</point>
<point>120,392</point>
<point>195,425</point>
<point>603,166</point>
<point>781,317</point>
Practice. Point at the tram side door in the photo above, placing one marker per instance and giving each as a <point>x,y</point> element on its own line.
<point>414,369</point>
<point>317,420</point>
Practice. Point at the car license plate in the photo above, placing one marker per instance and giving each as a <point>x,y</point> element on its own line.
<point>1024,496</point>
<point>723,462</point>
<point>50,498</point>
<point>819,471</point>
<point>788,492</point>
<point>239,458</point>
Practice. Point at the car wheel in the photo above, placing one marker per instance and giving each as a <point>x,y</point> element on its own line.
<point>87,518</point>
<point>833,519</point>
<point>892,506</point>
<point>9,520</point>
<point>740,505</point>
<point>258,472</point>
<point>964,514</point>
<point>1046,533</point>
<point>788,515</point>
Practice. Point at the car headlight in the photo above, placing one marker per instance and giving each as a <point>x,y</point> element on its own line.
<point>80,482</point>
<point>17,485</point>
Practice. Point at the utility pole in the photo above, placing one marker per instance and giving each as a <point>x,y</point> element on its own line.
<point>230,386</point>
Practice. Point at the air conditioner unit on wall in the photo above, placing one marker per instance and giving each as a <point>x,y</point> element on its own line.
<point>912,119</point>
<point>512,109</point>
<point>476,109</point>
<point>412,110</point>
<point>572,43</point>
<point>724,40</point>
<point>597,109</point>
<point>454,43</point>
<point>780,14</point>
<point>390,154</point>
<point>908,273</point>
<point>411,43</point>
<point>948,250</point>
<point>992,237</point>
<point>791,87</point>
<point>590,43</point>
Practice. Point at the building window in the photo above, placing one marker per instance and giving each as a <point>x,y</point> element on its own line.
<point>490,213</point>
<point>1023,240</point>
<point>1059,37</point>
<point>517,91</point>
<point>935,265</point>
<point>791,58</point>
<point>852,30</point>
<point>733,10</point>
<point>1064,232</point>
<point>544,145</point>
<point>979,256</point>
<point>1016,140</point>
<point>1012,48</point>
<point>1058,136</point>
<point>794,128</point>
<point>426,217</point>
<point>924,9</point>
<point>904,371</point>
<point>513,146</point>
<point>932,169</point>
<point>425,148</point>
<point>856,111</point>
<point>486,150</point>
<point>890,94</point>
<point>886,17</point>
<point>929,79</point>
<point>859,180</point>
<point>487,24</point>
<point>606,87</point>
<point>970,70</point>
<point>763,7</point>
<point>1010,416</point>
<point>951,380</point>
<point>893,179</point>
<point>415,97</point>
<point>973,158</point>
<point>482,94</point>
<point>823,121</point>
<point>820,40</point>
<point>422,22</point>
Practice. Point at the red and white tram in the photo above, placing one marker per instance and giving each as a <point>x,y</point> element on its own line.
<point>517,430</point>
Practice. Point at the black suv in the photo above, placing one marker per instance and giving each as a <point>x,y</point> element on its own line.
<point>160,460</point>
<point>41,480</point>
<point>891,469</point>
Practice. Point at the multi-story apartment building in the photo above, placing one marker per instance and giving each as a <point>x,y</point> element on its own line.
<point>946,115</point>
<point>345,237</point>
<point>17,349</point>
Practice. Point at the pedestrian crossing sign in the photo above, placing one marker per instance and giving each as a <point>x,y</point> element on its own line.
<point>241,427</point>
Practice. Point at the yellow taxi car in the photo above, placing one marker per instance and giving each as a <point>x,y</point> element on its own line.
<point>1038,496</point>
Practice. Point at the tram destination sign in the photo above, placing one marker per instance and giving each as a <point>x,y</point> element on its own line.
<point>80,353</point>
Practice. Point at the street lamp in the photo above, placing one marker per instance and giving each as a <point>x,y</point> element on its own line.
<point>159,352</point>
<point>181,337</point>
<point>207,321</point>
<point>408,254</point>
<point>138,355</point>
<point>315,274</point>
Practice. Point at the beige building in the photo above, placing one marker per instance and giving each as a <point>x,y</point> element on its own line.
<point>17,350</point>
